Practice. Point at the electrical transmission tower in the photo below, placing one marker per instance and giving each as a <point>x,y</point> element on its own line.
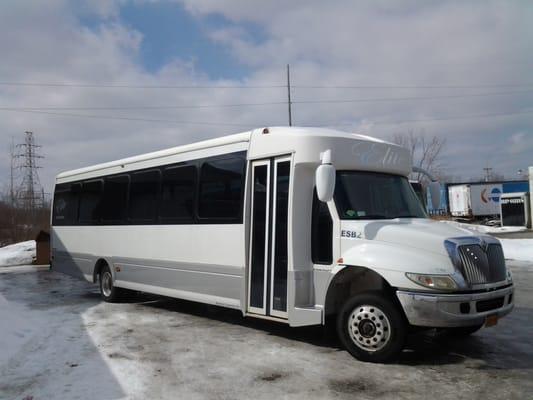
<point>31,193</point>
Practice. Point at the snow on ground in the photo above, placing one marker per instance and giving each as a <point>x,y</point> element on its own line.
<point>17,254</point>
<point>518,249</point>
<point>19,325</point>
<point>487,229</point>
<point>45,349</point>
<point>63,343</point>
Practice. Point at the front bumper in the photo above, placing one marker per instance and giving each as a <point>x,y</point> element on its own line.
<point>455,310</point>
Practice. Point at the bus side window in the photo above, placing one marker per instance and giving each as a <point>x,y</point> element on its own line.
<point>321,233</point>
<point>90,197</point>
<point>144,188</point>
<point>114,203</point>
<point>221,190</point>
<point>177,194</point>
<point>65,209</point>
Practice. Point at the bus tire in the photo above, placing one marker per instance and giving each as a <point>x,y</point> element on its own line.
<point>372,328</point>
<point>108,291</point>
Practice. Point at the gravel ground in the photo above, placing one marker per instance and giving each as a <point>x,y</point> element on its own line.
<point>70,345</point>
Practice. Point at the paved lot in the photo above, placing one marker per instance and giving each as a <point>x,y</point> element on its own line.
<point>69,345</point>
<point>515,235</point>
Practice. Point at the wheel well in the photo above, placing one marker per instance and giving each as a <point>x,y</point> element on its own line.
<point>101,263</point>
<point>350,281</point>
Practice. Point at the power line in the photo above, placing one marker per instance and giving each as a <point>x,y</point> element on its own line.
<point>386,99</point>
<point>132,86</point>
<point>459,117</point>
<point>110,117</point>
<point>480,86</point>
<point>265,86</point>
<point>325,101</point>
<point>453,118</point>
<point>169,107</point>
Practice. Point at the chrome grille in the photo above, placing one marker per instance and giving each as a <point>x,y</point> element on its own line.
<point>496,262</point>
<point>480,266</point>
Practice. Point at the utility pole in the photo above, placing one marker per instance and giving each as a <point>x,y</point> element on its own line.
<point>12,173</point>
<point>289,93</point>
<point>488,173</point>
<point>30,189</point>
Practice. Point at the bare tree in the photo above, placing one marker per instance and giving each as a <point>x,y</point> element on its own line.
<point>425,150</point>
<point>17,223</point>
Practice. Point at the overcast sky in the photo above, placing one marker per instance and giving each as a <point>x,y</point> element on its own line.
<point>467,64</point>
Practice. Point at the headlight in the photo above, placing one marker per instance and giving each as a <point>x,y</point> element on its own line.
<point>442,282</point>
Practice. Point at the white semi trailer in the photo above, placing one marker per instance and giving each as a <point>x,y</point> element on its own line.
<point>287,224</point>
<point>475,200</point>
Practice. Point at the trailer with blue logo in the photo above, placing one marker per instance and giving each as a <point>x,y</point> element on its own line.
<point>480,199</point>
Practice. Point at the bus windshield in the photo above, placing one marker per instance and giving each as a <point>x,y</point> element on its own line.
<point>372,195</point>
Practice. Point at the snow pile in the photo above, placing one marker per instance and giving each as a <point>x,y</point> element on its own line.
<point>486,228</point>
<point>497,229</point>
<point>518,249</point>
<point>17,254</point>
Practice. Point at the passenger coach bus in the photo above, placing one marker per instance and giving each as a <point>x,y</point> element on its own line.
<point>289,224</point>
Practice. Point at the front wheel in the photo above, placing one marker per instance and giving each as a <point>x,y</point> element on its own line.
<point>108,291</point>
<point>372,328</point>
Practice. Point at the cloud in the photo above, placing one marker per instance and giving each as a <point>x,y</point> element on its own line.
<point>521,142</point>
<point>327,43</point>
<point>410,43</point>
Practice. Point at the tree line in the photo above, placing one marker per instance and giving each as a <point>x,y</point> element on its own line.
<point>18,223</point>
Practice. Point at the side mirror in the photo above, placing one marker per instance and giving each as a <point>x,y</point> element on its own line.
<point>325,178</point>
<point>434,191</point>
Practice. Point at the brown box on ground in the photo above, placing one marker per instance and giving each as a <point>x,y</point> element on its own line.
<point>42,241</point>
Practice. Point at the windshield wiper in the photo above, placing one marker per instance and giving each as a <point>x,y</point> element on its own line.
<point>375,216</point>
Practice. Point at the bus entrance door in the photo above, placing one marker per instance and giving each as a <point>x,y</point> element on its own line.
<point>267,277</point>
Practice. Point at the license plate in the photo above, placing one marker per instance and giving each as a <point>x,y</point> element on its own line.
<point>491,320</point>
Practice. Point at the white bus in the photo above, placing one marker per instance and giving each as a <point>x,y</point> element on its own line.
<point>288,224</point>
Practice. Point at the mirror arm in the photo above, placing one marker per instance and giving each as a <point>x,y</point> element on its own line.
<point>434,191</point>
<point>325,157</point>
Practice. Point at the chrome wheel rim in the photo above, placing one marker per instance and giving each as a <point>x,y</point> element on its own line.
<point>369,328</point>
<point>107,283</point>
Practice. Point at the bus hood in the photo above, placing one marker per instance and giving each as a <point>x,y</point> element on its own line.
<point>415,233</point>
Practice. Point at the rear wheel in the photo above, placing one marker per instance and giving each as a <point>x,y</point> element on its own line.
<point>108,291</point>
<point>372,328</point>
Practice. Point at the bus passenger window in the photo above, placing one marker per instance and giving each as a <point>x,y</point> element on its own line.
<point>65,209</point>
<point>221,189</point>
<point>115,199</point>
<point>143,196</point>
<point>90,196</point>
<point>177,194</point>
